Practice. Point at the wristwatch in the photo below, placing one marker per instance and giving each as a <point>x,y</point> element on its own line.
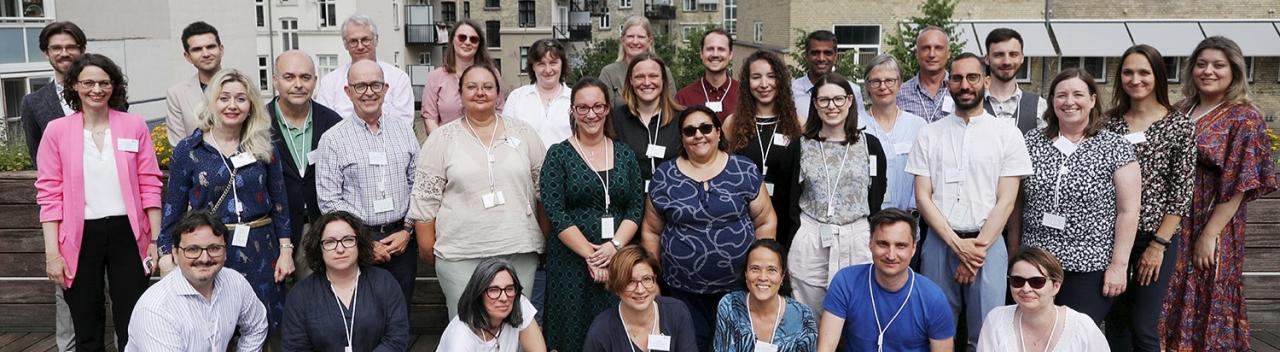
<point>616,244</point>
<point>286,246</point>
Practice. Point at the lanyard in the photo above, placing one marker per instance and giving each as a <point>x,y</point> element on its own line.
<point>764,149</point>
<point>355,293</point>
<point>651,136</point>
<point>876,312</point>
<point>289,139</point>
<point>235,197</point>
<point>489,150</point>
<point>1206,112</point>
<point>604,181</point>
<point>777,323</point>
<point>831,188</point>
<point>652,331</point>
<point>1047,343</point>
<point>703,83</point>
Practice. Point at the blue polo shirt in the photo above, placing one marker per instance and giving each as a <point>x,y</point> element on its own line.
<point>927,314</point>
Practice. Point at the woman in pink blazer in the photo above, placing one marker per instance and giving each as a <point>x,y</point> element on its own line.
<point>96,224</point>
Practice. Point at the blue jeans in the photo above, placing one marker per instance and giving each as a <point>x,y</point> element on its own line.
<point>986,292</point>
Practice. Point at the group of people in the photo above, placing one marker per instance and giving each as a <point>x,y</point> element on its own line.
<point>703,218</point>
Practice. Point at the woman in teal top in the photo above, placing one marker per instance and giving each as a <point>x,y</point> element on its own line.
<point>764,315</point>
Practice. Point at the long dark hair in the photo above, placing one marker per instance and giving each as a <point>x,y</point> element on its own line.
<point>743,128</point>
<point>776,247</point>
<point>590,82</point>
<point>471,305</point>
<point>482,49</point>
<point>119,84</point>
<point>684,115</point>
<point>814,124</point>
<point>1121,100</point>
<point>315,235</point>
<point>1096,123</point>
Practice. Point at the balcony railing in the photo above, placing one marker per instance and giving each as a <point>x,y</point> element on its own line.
<point>660,11</point>
<point>578,28</point>
<point>420,25</point>
<point>418,79</point>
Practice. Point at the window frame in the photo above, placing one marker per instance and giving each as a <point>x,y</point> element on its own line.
<point>325,63</point>
<point>758,34</point>
<point>531,11</point>
<point>260,9</point>
<point>449,11</point>
<point>858,48</point>
<point>1100,77</point>
<point>1174,73</point>
<point>493,35</point>
<point>625,4</point>
<point>731,22</point>
<point>524,60</point>
<point>492,4</point>
<point>605,22</point>
<point>329,7</point>
<point>288,34</point>
<point>264,73</point>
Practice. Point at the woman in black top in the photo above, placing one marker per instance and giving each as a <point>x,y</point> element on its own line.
<point>765,129</point>
<point>345,302</point>
<point>642,320</point>
<point>643,121</point>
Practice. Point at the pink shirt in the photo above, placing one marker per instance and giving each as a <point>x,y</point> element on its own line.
<point>60,185</point>
<point>441,100</point>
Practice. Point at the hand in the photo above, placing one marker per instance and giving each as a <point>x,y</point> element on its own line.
<point>599,275</point>
<point>970,251</point>
<point>154,253</point>
<point>965,274</point>
<point>1149,265</point>
<point>396,242</point>
<point>380,253</point>
<point>167,264</point>
<point>1114,280</point>
<point>284,265</point>
<point>56,269</point>
<point>602,256</point>
<point>1205,255</point>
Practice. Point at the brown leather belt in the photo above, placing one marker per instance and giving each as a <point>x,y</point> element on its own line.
<point>260,222</point>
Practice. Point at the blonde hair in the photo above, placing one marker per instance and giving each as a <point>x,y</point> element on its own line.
<point>1238,91</point>
<point>632,22</point>
<point>255,134</point>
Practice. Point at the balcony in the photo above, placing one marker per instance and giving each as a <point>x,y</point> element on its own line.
<point>420,25</point>
<point>577,29</point>
<point>418,79</point>
<point>592,7</point>
<point>660,11</point>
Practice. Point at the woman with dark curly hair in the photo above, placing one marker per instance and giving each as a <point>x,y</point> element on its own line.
<point>368,300</point>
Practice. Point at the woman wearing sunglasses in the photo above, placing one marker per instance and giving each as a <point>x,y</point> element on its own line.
<point>644,119</point>
<point>492,314</point>
<point>1035,323</point>
<point>346,301</point>
<point>704,210</point>
<point>643,320</point>
<point>441,98</point>
<point>842,182</point>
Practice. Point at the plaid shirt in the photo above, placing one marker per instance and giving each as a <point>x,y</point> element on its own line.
<point>915,100</point>
<point>347,180</point>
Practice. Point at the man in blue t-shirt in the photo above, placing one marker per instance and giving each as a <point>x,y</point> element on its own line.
<point>885,306</point>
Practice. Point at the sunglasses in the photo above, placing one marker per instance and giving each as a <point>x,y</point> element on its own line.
<point>474,39</point>
<point>1036,282</point>
<point>690,131</point>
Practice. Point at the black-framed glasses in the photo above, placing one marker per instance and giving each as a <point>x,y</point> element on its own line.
<point>354,42</point>
<point>494,292</point>
<point>882,82</point>
<point>362,88</point>
<point>330,244</point>
<point>827,102</point>
<point>473,39</point>
<point>648,282</point>
<point>1036,282</point>
<point>63,48</point>
<point>690,131</point>
<point>582,109</point>
<point>89,84</point>
<point>972,78</point>
<point>193,252</point>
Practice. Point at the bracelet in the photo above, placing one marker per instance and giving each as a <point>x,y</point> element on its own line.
<point>286,246</point>
<point>1163,242</point>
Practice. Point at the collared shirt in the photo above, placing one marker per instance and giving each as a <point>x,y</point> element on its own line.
<point>965,162</point>
<point>897,143</point>
<point>800,88</point>
<point>702,92</point>
<point>1167,158</point>
<point>1007,110</point>
<point>550,121</point>
<point>173,316</point>
<point>297,138</point>
<point>346,175</point>
<point>66,108</point>
<point>398,104</point>
<point>932,106</point>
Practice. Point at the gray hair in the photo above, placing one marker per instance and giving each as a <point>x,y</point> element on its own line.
<point>360,19</point>
<point>925,30</point>
<point>471,304</point>
<point>882,60</point>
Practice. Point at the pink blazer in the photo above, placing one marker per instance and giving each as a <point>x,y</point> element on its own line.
<point>60,180</point>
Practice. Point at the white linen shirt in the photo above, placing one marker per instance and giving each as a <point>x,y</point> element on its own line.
<point>800,93</point>
<point>398,103</point>
<point>458,336</point>
<point>551,122</point>
<point>964,162</point>
<point>173,316</point>
<point>106,198</point>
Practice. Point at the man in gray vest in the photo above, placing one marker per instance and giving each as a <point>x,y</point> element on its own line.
<point>1004,99</point>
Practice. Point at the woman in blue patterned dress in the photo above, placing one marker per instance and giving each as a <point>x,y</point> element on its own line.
<point>705,208</point>
<point>234,142</point>
<point>764,313</point>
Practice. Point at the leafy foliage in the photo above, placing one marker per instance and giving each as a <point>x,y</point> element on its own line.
<point>160,140</point>
<point>683,60</point>
<point>13,157</point>
<point>902,44</point>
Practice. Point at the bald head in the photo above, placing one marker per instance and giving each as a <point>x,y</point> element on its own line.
<point>366,88</point>
<point>932,50</point>
<point>295,79</point>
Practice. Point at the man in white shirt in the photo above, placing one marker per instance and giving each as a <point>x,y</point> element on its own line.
<point>820,57</point>
<point>199,307</point>
<point>202,47</point>
<point>360,37</point>
<point>968,168</point>
<point>1005,100</point>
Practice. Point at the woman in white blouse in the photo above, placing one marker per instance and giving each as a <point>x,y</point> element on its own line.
<point>1035,323</point>
<point>544,102</point>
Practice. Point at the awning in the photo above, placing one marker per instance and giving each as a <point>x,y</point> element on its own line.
<point>1091,39</point>
<point>971,42</point>
<point>1254,38</point>
<point>1034,34</point>
<point>1172,39</point>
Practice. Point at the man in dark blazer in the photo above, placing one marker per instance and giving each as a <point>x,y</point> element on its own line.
<point>297,122</point>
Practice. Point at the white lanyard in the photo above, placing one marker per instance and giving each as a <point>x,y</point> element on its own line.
<point>831,188</point>
<point>652,331</point>
<point>232,177</point>
<point>876,312</point>
<point>703,83</point>
<point>1022,346</point>
<point>604,181</point>
<point>490,151</point>
<point>355,293</point>
<point>651,136</point>
<point>765,147</point>
<point>777,323</point>
<point>1062,170</point>
<point>1206,112</point>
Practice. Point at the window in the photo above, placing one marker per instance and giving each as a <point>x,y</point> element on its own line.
<point>263,73</point>
<point>492,33</point>
<point>625,4</point>
<point>524,59</point>
<point>492,4</point>
<point>1171,66</point>
<point>1096,66</point>
<point>731,17</point>
<point>690,31</point>
<point>497,64</point>
<point>326,64</point>
<point>690,5</point>
<point>466,9</point>
<point>708,6</point>
<point>260,8</point>
<point>424,58</point>
<point>862,40</point>
<point>604,21</point>
<point>328,13</point>
<point>449,11</point>
<point>527,14</point>
<point>289,33</point>
<point>759,36</point>
<point>14,89</point>
<point>1024,72</point>
<point>23,8</point>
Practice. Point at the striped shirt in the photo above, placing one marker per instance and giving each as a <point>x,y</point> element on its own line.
<point>173,316</point>
<point>355,169</point>
<point>931,106</point>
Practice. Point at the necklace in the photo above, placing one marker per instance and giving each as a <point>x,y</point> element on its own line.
<point>1048,342</point>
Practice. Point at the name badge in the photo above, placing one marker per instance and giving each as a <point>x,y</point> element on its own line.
<point>954,176</point>
<point>1136,138</point>
<point>606,227</point>
<point>827,234</point>
<point>311,157</point>
<point>871,165</point>
<point>382,205</point>
<point>646,186</point>
<point>242,159</point>
<point>781,140</point>
<point>377,158</point>
<point>716,106</point>
<point>762,346</point>
<point>1054,221</point>
<point>659,343</point>
<point>493,199</point>
<point>240,237</point>
<point>768,187</point>
<point>1064,170</point>
<point>902,148</point>
<point>655,151</point>
<point>1065,146</point>
<point>513,142</point>
<point>127,145</point>
<point>347,349</point>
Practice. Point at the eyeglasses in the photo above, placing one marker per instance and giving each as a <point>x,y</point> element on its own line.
<point>62,48</point>
<point>494,292</point>
<point>973,78</point>
<point>354,42</point>
<point>330,244</point>
<point>473,39</point>
<point>690,131</point>
<point>882,82</point>
<point>599,109</point>
<point>647,282</point>
<point>1036,282</point>
<point>363,88</point>
<point>826,102</point>
<point>194,252</point>
<point>87,84</point>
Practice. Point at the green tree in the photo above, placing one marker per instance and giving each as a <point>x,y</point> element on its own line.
<point>902,43</point>
<point>592,58</point>
<point>845,66</point>
<point>686,64</point>
<point>682,60</point>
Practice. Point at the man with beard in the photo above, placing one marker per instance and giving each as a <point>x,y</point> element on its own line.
<point>199,307</point>
<point>968,167</point>
<point>925,94</point>
<point>1005,100</point>
<point>297,122</point>
<point>820,57</point>
<point>716,90</point>
<point>360,38</point>
<point>202,47</point>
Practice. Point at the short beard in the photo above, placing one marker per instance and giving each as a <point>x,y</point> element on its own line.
<point>978,95</point>
<point>996,74</point>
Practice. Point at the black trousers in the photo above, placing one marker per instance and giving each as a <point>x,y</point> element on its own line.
<point>403,267</point>
<point>703,308</point>
<point>1131,325</point>
<point>1082,291</point>
<point>108,247</point>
